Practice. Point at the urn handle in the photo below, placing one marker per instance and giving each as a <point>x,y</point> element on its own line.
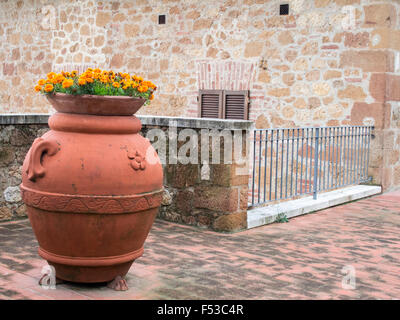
<point>39,148</point>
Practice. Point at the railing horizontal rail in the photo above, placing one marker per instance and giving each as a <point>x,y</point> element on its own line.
<point>291,162</point>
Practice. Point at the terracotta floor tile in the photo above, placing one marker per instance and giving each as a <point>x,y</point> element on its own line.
<point>303,259</point>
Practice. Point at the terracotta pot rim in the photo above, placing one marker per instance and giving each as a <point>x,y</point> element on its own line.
<point>96,105</point>
<point>92,96</point>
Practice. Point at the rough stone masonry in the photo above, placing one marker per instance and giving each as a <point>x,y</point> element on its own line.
<point>216,199</point>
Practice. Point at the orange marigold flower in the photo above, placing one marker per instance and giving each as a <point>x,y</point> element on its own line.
<point>143,88</point>
<point>135,84</point>
<point>116,84</point>
<point>82,81</point>
<point>41,82</point>
<point>58,78</point>
<point>151,97</point>
<point>51,75</point>
<point>148,83</point>
<point>89,80</point>
<point>38,88</point>
<point>48,87</point>
<point>67,83</point>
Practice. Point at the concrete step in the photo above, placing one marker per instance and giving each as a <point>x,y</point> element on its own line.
<point>265,215</point>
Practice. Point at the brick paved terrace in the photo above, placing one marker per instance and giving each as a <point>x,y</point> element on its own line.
<point>302,259</point>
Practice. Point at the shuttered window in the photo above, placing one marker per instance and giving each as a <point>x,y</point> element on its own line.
<point>235,105</point>
<point>210,102</point>
<point>224,104</point>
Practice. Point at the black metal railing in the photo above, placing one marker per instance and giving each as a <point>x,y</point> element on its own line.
<point>288,163</point>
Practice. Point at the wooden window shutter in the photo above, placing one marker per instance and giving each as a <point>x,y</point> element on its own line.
<point>210,104</point>
<point>236,105</point>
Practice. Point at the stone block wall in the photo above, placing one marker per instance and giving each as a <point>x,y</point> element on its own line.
<point>304,68</point>
<point>212,196</point>
<point>206,195</point>
<point>16,136</point>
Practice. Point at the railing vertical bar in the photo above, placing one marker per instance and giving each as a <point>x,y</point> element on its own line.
<point>358,155</point>
<point>271,164</point>
<point>305,177</point>
<point>312,154</point>
<point>309,157</point>
<point>259,167</point>
<point>333,157</point>
<point>344,154</point>
<point>321,135</point>
<point>339,145</point>
<point>297,159</point>
<point>362,153</point>
<point>287,162</point>
<point>325,154</point>
<point>337,155</point>
<point>315,185</point>
<point>340,156</point>
<point>353,170</point>
<point>369,140</point>
<point>291,169</point>
<point>276,163</point>
<point>282,156</point>
<point>354,149</point>
<point>348,156</point>
<point>360,148</point>
<point>365,172</point>
<point>254,164</point>
<point>265,164</point>
<point>348,178</point>
<point>329,158</point>
<point>355,156</point>
<point>332,161</point>
<point>302,156</point>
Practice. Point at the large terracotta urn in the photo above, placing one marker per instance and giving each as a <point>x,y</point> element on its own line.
<point>92,186</point>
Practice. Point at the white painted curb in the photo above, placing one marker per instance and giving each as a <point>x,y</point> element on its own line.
<point>265,215</point>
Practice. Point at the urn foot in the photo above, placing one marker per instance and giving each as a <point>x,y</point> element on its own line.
<point>44,280</point>
<point>118,284</point>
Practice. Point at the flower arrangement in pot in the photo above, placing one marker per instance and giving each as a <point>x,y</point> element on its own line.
<point>96,86</point>
<point>92,185</point>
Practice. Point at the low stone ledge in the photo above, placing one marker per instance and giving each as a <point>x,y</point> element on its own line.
<point>10,119</point>
<point>147,120</point>
<point>196,123</point>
